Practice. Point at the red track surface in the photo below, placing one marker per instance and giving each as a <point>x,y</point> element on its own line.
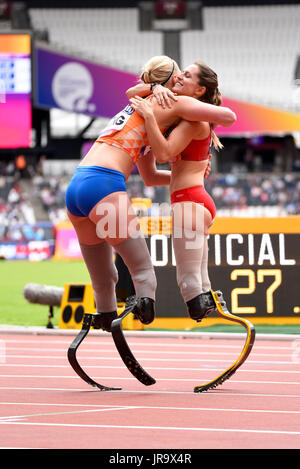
<point>44,404</point>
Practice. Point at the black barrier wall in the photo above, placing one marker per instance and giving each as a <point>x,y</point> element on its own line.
<point>257,273</point>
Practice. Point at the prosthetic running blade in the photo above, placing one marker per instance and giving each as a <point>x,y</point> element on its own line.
<point>87,321</point>
<point>127,356</point>
<point>250,338</point>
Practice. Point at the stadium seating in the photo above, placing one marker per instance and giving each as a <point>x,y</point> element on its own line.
<point>108,35</point>
<point>253,49</point>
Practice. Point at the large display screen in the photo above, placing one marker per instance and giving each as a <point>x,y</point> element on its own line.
<point>15,90</point>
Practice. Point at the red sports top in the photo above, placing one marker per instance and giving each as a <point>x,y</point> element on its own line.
<point>197,150</point>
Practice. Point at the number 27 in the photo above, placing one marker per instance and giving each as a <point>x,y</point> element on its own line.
<point>261,273</point>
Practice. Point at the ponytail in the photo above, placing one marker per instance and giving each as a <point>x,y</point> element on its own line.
<point>209,79</point>
<point>217,101</point>
<point>216,142</point>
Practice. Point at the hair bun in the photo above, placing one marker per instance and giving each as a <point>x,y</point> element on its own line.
<point>145,76</point>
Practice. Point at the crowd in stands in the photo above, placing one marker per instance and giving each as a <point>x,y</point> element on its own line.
<point>51,193</point>
<point>251,194</point>
<point>232,192</point>
<point>15,214</point>
<point>265,194</point>
<point>18,220</point>
<point>239,195</point>
<point>15,208</point>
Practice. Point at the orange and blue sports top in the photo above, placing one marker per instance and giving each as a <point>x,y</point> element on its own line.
<point>126,131</point>
<point>197,150</point>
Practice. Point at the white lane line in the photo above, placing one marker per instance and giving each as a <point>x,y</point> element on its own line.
<point>130,378</point>
<point>10,419</point>
<point>174,352</point>
<point>181,343</point>
<point>108,409</point>
<point>140,427</point>
<point>117,358</point>
<point>128,407</point>
<point>241,370</point>
<point>219,392</point>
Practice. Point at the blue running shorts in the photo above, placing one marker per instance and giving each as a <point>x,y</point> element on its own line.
<point>89,185</point>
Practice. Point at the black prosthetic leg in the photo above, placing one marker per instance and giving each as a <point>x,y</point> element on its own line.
<point>98,321</point>
<point>141,309</point>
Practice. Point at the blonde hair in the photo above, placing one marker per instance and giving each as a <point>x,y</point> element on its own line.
<point>212,95</point>
<point>158,69</point>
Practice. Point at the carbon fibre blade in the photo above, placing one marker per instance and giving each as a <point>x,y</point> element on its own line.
<point>125,353</point>
<point>87,319</point>
<point>250,338</point>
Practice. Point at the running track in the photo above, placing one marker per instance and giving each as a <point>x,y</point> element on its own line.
<point>45,405</point>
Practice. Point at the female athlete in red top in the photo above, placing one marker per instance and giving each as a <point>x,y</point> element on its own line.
<point>193,210</point>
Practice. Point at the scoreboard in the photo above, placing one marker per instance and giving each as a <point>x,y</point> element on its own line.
<point>15,90</point>
<point>254,262</point>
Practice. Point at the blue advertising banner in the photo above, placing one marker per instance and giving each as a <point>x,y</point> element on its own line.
<point>76,85</point>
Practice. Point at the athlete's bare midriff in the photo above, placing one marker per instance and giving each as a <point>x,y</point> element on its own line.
<point>187,174</point>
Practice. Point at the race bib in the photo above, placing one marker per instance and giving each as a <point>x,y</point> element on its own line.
<point>117,122</point>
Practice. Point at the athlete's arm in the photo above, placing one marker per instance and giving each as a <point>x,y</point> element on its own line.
<point>194,110</point>
<point>141,89</point>
<point>208,167</point>
<point>163,95</point>
<point>165,149</point>
<point>150,174</point>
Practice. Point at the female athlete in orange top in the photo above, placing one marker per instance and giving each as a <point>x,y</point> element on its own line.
<point>99,208</point>
<point>193,209</point>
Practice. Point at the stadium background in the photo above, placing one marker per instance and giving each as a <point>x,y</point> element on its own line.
<point>76,64</point>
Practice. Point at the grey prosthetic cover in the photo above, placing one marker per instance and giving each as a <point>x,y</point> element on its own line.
<point>189,250</point>
<point>136,256</point>
<point>104,275</point>
<point>206,285</point>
